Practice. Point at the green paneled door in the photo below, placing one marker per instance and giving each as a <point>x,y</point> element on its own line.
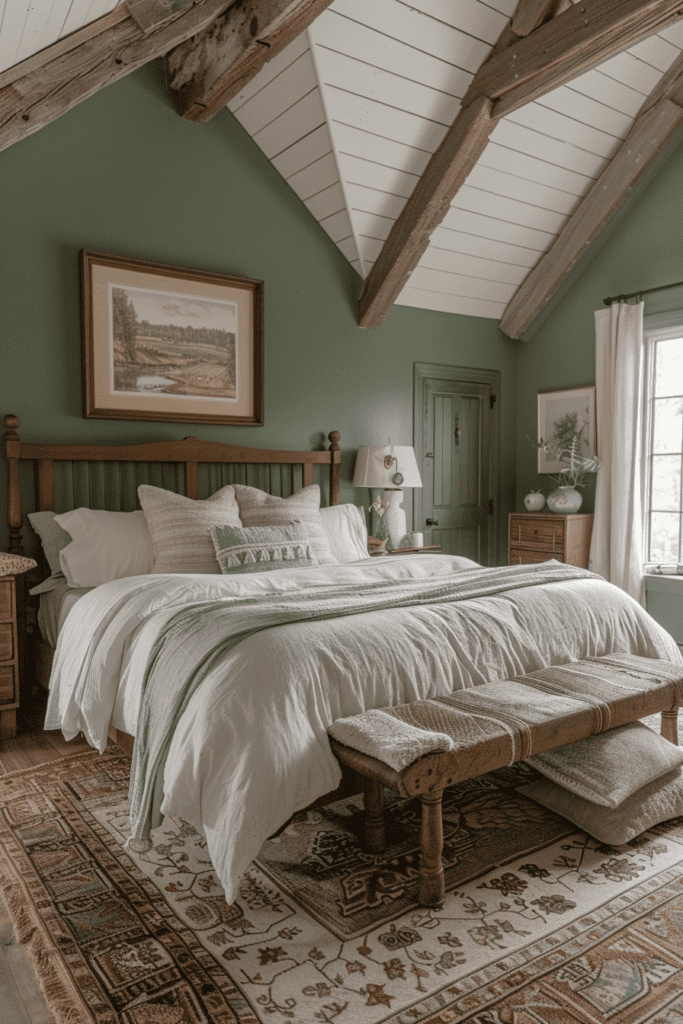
<point>456,497</point>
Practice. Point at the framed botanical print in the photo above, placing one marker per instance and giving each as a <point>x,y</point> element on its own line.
<point>562,415</point>
<point>162,342</point>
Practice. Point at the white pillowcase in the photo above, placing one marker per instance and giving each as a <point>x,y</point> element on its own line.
<point>346,532</point>
<point>104,546</point>
<point>180,527</point>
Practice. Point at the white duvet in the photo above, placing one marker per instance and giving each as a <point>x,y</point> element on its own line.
<point>251,747</point>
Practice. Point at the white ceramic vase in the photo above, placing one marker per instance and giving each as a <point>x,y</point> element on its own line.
<point>565,500</point>
<point>534,501</point>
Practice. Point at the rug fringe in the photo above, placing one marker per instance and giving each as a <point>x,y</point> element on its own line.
<point>54,979</point>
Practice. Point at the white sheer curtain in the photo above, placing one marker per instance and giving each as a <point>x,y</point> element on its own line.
<point>616,546</point>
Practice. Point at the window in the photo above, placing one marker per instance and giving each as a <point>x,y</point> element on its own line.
<point>663,464</point>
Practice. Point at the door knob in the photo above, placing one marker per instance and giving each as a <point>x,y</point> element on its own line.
<point>432,522</point>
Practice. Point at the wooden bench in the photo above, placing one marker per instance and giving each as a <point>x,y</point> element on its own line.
<point>494,725</point>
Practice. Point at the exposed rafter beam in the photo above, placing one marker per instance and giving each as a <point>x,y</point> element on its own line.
<point>518,70</point>
<point>583,36</point>
<point>660,118</point>
<point>208,70</point>
<point>532,13</point>
<point>47,85</point>
<point>446,171</point>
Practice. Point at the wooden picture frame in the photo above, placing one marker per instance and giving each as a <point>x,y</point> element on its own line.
<point>168,343</point>
<point>563,406</point>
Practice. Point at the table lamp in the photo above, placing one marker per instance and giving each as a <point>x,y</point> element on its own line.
<point>392,467</point>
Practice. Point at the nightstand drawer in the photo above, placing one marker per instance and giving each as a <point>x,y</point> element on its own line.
<point>6,641</point>
<point>8,691</point>
<point>523,556</point>
<point>535,533</point>
<point>542,535</point>
<point>6,602</point>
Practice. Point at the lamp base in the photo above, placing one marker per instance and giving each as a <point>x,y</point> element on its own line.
<point>395,516</point>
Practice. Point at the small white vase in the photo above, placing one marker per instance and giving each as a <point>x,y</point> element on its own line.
<point>534,502</point>
<point>565,500</point>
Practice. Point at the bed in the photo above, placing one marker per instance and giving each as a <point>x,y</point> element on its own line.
<point>260,664</point>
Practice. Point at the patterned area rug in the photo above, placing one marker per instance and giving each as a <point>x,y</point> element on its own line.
<point>541,924</point>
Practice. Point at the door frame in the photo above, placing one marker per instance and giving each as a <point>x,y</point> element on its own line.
<point>471,375</point>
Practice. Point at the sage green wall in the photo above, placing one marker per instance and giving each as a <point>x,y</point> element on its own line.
<point>644,251</point>
<point>122,173</point>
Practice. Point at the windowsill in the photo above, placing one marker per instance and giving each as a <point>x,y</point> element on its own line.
<point>664,584</point>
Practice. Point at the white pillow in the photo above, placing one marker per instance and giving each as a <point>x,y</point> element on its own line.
<point>258,508</point>
<point>104,546</point>
<point>52,537</point>
<point>180,527</point>
<point>346,532</point>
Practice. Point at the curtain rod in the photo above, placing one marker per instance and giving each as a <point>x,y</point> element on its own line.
<point>643,291</point>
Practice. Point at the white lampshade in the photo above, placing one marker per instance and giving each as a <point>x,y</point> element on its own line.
<point>370,470</point>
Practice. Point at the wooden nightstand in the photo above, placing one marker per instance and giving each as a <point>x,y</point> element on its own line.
<point>9,658</point>
<point>538,536</point>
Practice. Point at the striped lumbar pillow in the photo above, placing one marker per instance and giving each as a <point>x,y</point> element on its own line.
<point>257,508</point>
<point>180,527</point>
<point>261,548</point>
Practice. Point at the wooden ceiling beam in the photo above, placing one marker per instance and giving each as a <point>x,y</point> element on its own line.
<point>532,13</point>
<point>549,52</point>
<point>660,118</point>
<point>209,69</point>
<point>48,84</point>
<point>578,39</point>
<point>446,171</point>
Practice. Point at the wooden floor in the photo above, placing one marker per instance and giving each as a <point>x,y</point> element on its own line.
<point>21,1000</point>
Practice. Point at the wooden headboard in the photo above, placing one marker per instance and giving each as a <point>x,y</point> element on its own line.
<point>68,476</point>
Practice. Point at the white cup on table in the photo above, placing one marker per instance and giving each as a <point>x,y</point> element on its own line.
<point>417,540</point>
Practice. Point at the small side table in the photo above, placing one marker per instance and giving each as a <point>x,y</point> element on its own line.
<point>9,658</point>
<point>538,536</point>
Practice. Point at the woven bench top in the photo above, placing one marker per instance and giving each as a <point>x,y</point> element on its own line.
<point>473,731</point>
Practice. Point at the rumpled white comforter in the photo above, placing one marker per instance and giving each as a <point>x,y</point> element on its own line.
<point>252,748</point>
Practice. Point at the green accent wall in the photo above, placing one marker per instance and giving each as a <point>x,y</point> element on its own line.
<point>123,173</point>
<point>644,250</point>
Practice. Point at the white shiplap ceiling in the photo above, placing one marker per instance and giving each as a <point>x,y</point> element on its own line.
<point>352,110</point>
<point>27,26</point>
<point>351,113</point>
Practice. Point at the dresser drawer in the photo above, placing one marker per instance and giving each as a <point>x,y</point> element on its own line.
<point>8,691</point>
<point>537,534</point>
<point>6,641</point>
<point>6,601</point>
<point>523,556</point>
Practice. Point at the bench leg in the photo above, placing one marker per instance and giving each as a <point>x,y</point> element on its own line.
<point>669,728</point>
<point>432,882</point>
<point>375,837</point>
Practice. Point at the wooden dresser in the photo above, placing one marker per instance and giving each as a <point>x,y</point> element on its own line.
<point>9,658</point>
<point>538,536</point>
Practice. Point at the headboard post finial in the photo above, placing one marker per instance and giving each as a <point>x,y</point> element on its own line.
<point>14,515</point>
<point>335,458</point>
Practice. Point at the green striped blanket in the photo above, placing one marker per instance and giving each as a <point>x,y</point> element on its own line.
<point>195,638</point>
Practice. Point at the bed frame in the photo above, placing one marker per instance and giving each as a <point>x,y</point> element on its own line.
<point>68,476</point>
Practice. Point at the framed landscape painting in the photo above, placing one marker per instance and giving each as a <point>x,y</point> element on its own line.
<point>168,343</point>
<point>564,414</point>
